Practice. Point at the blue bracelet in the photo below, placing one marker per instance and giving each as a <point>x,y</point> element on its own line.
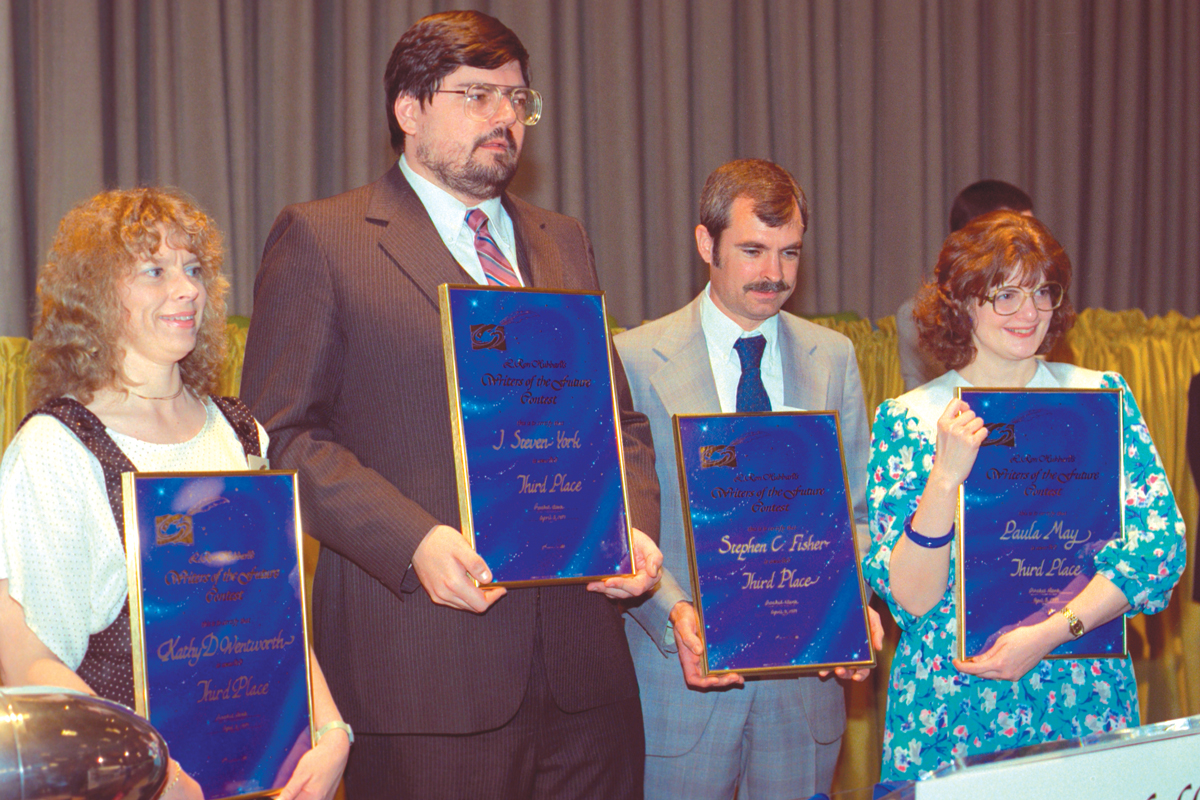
<point>926,541</point>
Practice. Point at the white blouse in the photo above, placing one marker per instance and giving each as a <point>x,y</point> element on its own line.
<point>59,544</point>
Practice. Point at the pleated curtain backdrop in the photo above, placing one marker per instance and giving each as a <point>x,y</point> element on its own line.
<point>883,110</point>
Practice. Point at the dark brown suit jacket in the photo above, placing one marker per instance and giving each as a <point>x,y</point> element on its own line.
<point>344,367</point>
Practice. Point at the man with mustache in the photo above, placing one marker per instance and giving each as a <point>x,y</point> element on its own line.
<point>733,350</point>
<point>454,690</point>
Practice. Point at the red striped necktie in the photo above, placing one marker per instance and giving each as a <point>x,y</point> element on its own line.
<point>495,266</point>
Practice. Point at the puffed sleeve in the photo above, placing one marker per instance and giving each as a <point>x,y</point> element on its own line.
<point>63,553</point>
<point>1148,564</point>
<point>901,459</point>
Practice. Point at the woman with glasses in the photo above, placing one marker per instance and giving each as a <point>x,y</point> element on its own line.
<point>997,299</point>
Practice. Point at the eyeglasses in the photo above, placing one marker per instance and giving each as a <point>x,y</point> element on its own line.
<point>481,101</point>
<point>1007,300</point>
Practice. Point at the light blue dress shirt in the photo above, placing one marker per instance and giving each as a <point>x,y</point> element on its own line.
<point>720,332</point>
<point>449,216</point>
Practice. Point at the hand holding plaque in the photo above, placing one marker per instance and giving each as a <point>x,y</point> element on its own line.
<point>690,646</point>
<point>450,571</point>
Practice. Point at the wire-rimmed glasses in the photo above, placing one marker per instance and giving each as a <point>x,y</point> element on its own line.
<point>481,101</point>
<point>1007,300</point>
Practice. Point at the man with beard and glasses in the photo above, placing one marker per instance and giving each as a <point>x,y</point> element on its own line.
<point>733,350</point>
<point>454,690</point>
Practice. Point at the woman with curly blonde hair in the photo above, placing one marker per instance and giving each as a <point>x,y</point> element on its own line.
<point>997,299</point>
<point>77,338</point>
<point>126,350</point>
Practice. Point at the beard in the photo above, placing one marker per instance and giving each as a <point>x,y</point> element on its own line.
<point>472,178</point>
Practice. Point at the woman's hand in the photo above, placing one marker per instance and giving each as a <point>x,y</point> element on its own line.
<point>319,772</point>
<point>960,432</point>
<point>1016,652</point>
<point>918,575</point>
<point>180,785</point>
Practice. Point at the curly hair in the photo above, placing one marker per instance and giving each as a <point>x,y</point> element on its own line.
<point>975,260</point>
<point>76,339</point>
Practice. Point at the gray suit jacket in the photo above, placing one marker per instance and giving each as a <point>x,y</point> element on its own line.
<point>345,367</point>
<point>667,364</point>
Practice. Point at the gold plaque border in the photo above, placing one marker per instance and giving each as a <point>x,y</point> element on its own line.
<point>694,573</point>
<point>960,520</point>
<point>461,472</point>
<point>137,619</point>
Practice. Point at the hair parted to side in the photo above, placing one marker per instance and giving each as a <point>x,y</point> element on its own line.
<point>76,346</point>
<point>976,260</point>
<point>770,187</point>
<point>437,45</point>
<point>984,196</point>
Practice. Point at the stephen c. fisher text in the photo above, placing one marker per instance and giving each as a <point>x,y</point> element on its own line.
<point>798,542</point>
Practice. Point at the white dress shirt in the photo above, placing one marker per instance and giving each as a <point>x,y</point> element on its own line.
<point>449,216</point>
<point>64,556</point>
<point>720,333</point>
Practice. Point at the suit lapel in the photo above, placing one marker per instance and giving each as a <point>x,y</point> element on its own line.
<point>409,238</point>
<point>538,257</point>
<point>685,383</point>
<point>804,386</point>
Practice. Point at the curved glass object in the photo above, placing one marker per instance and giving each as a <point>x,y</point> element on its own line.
<point>58,743</point>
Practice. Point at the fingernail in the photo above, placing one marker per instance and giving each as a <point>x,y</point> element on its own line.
<point>487,576</point>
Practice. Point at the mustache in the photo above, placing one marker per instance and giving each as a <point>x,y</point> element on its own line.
<point>499,133</point>
<point>767,286</point>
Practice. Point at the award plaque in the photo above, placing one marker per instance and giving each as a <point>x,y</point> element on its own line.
<point>774,562</point>
<point>217,613</point>
<point>1042,499</point>
<point>537,442</point>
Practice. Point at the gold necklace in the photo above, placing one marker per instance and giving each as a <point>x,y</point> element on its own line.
<point>178,392</point>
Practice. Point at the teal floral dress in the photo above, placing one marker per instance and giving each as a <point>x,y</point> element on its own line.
<point>936,713</point>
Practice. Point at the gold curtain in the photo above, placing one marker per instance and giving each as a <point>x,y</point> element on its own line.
<point>1157,356</point>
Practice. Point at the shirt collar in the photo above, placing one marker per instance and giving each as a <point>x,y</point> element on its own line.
<point>721,332</point>
<point>929,401</point>
<point>448,213</point>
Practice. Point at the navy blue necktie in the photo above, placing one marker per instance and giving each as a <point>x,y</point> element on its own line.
<point>751,394</point>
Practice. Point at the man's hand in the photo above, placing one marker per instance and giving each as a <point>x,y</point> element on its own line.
<point>691,650</point>
<point>647,560</point>
<point>447,567</point>
<point>862,673</point>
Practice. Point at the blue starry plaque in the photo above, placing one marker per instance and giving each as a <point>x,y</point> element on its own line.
<point>1043,498</point>
<point>217,612</point>
<point>774,563</point>
<point>537,443</point>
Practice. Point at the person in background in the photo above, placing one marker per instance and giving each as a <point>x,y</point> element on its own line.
<point>126,352</point>
<point>998,297</point>
<point>916,366</point>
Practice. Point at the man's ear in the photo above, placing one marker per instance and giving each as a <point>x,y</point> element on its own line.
<point>704,243</point>
<point>407,108</point>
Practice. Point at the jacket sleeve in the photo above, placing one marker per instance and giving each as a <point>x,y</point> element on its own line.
<point>291,379</point>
